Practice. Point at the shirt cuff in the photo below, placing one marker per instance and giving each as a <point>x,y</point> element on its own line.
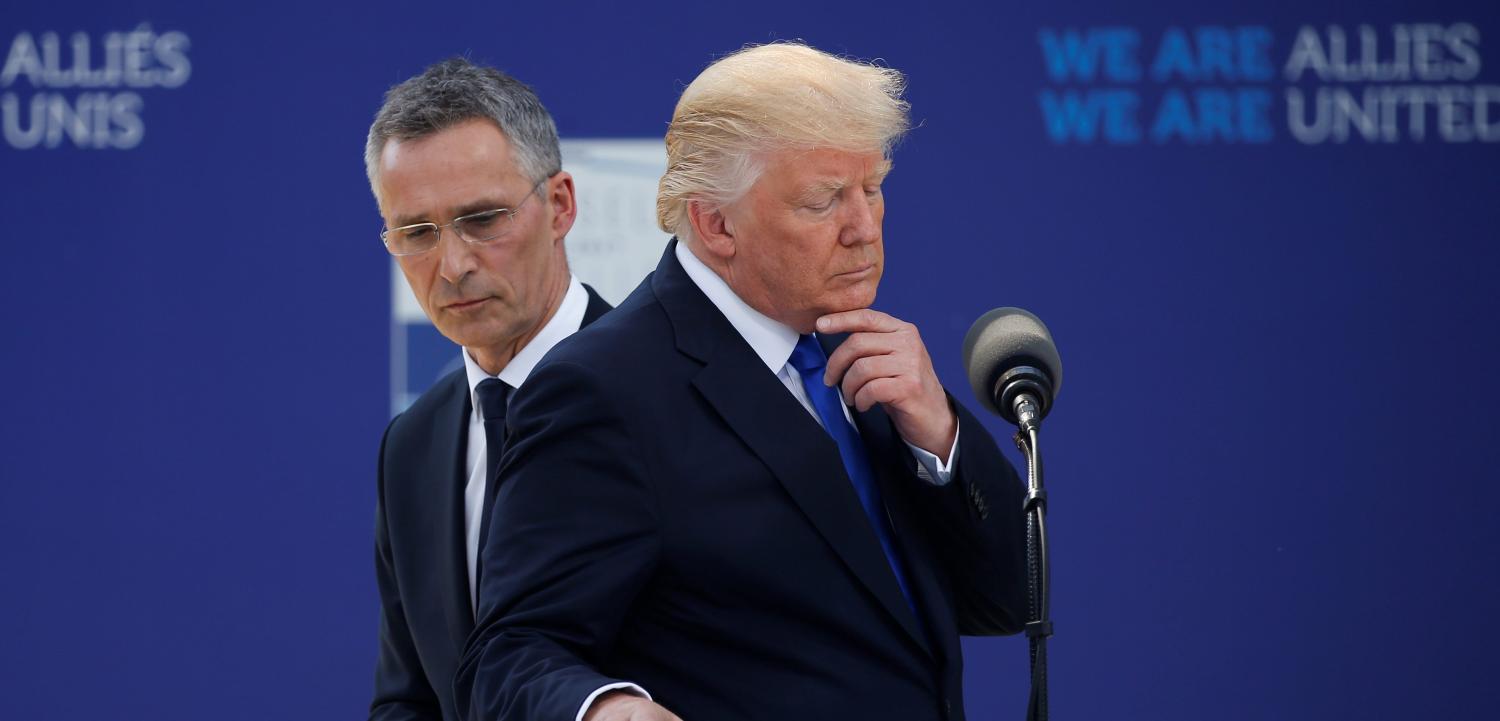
<point>932,469</point>
<point>621,685</point>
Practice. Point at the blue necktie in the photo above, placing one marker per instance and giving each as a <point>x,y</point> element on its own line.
<point>809,360</point>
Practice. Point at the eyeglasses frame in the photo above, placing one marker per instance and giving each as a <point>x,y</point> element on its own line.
<point>510,215</point>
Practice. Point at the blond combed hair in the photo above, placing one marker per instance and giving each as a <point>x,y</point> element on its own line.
<point>767,98</point>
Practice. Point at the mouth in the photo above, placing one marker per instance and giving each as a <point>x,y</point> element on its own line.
<point>465,304</point>
<point>859,273</point>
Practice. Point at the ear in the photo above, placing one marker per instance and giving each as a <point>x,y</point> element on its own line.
<point>712,229</point>
<point>560,194</point>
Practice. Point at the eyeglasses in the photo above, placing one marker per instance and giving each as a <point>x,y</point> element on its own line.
<point>474,228</point>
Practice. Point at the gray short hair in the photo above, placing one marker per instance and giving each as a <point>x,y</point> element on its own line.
<point>455,91</point>
<point>766,98</point>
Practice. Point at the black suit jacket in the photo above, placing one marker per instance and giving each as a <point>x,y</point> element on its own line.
<point>670,515</point>
<point>420,559</point>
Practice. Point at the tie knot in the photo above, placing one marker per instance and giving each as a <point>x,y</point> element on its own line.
<point>492,394</point>
<point>807,356</point>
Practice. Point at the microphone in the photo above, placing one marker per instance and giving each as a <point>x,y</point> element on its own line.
<point>1014,369</point>
<point>1013,365</point>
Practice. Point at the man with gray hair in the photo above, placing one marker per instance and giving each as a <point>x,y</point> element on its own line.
<point>465,167</point>
<point>744,494</point>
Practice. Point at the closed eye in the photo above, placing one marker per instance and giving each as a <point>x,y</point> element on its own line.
<point>822,206</point>
<point>415,232</point>
<point>483,221</point>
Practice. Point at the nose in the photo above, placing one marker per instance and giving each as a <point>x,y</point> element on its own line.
<point>862,221</point>
<point>456,256</point>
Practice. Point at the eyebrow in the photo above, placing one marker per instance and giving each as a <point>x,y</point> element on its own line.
<point>821,188</point>
<point>476,206</point>
<point>833,185</point>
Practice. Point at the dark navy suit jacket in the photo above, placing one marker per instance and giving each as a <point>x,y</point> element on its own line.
<point>670,515</point>
<point>421,564</point>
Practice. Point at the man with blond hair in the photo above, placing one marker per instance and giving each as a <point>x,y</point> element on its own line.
<point>744,494</point>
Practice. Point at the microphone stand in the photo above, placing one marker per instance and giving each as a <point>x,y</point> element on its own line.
<point>1038,585</point>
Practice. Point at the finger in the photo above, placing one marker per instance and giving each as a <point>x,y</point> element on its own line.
<point>868,369</point>
<point>878,390</point>
<point>861,319</point>
<point>856,346</point>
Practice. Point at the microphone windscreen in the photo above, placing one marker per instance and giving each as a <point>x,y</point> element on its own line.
<point>1003,339</point>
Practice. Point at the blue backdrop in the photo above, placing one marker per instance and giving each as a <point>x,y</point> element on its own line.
<point>1272,463</point>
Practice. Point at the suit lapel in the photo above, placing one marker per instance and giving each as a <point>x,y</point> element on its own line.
<point>780,432</point>
<point>446,460</point>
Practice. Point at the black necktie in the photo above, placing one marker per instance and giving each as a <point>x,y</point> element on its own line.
<point>493,396</point>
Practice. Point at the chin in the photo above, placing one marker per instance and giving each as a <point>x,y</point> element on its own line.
<point>859,297</point>
<point>468,335</point>
<point>458,338</point>
<point>845,302</point>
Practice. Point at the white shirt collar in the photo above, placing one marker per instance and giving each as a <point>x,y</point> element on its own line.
<point>564,322</point>
<point>772,340</point>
